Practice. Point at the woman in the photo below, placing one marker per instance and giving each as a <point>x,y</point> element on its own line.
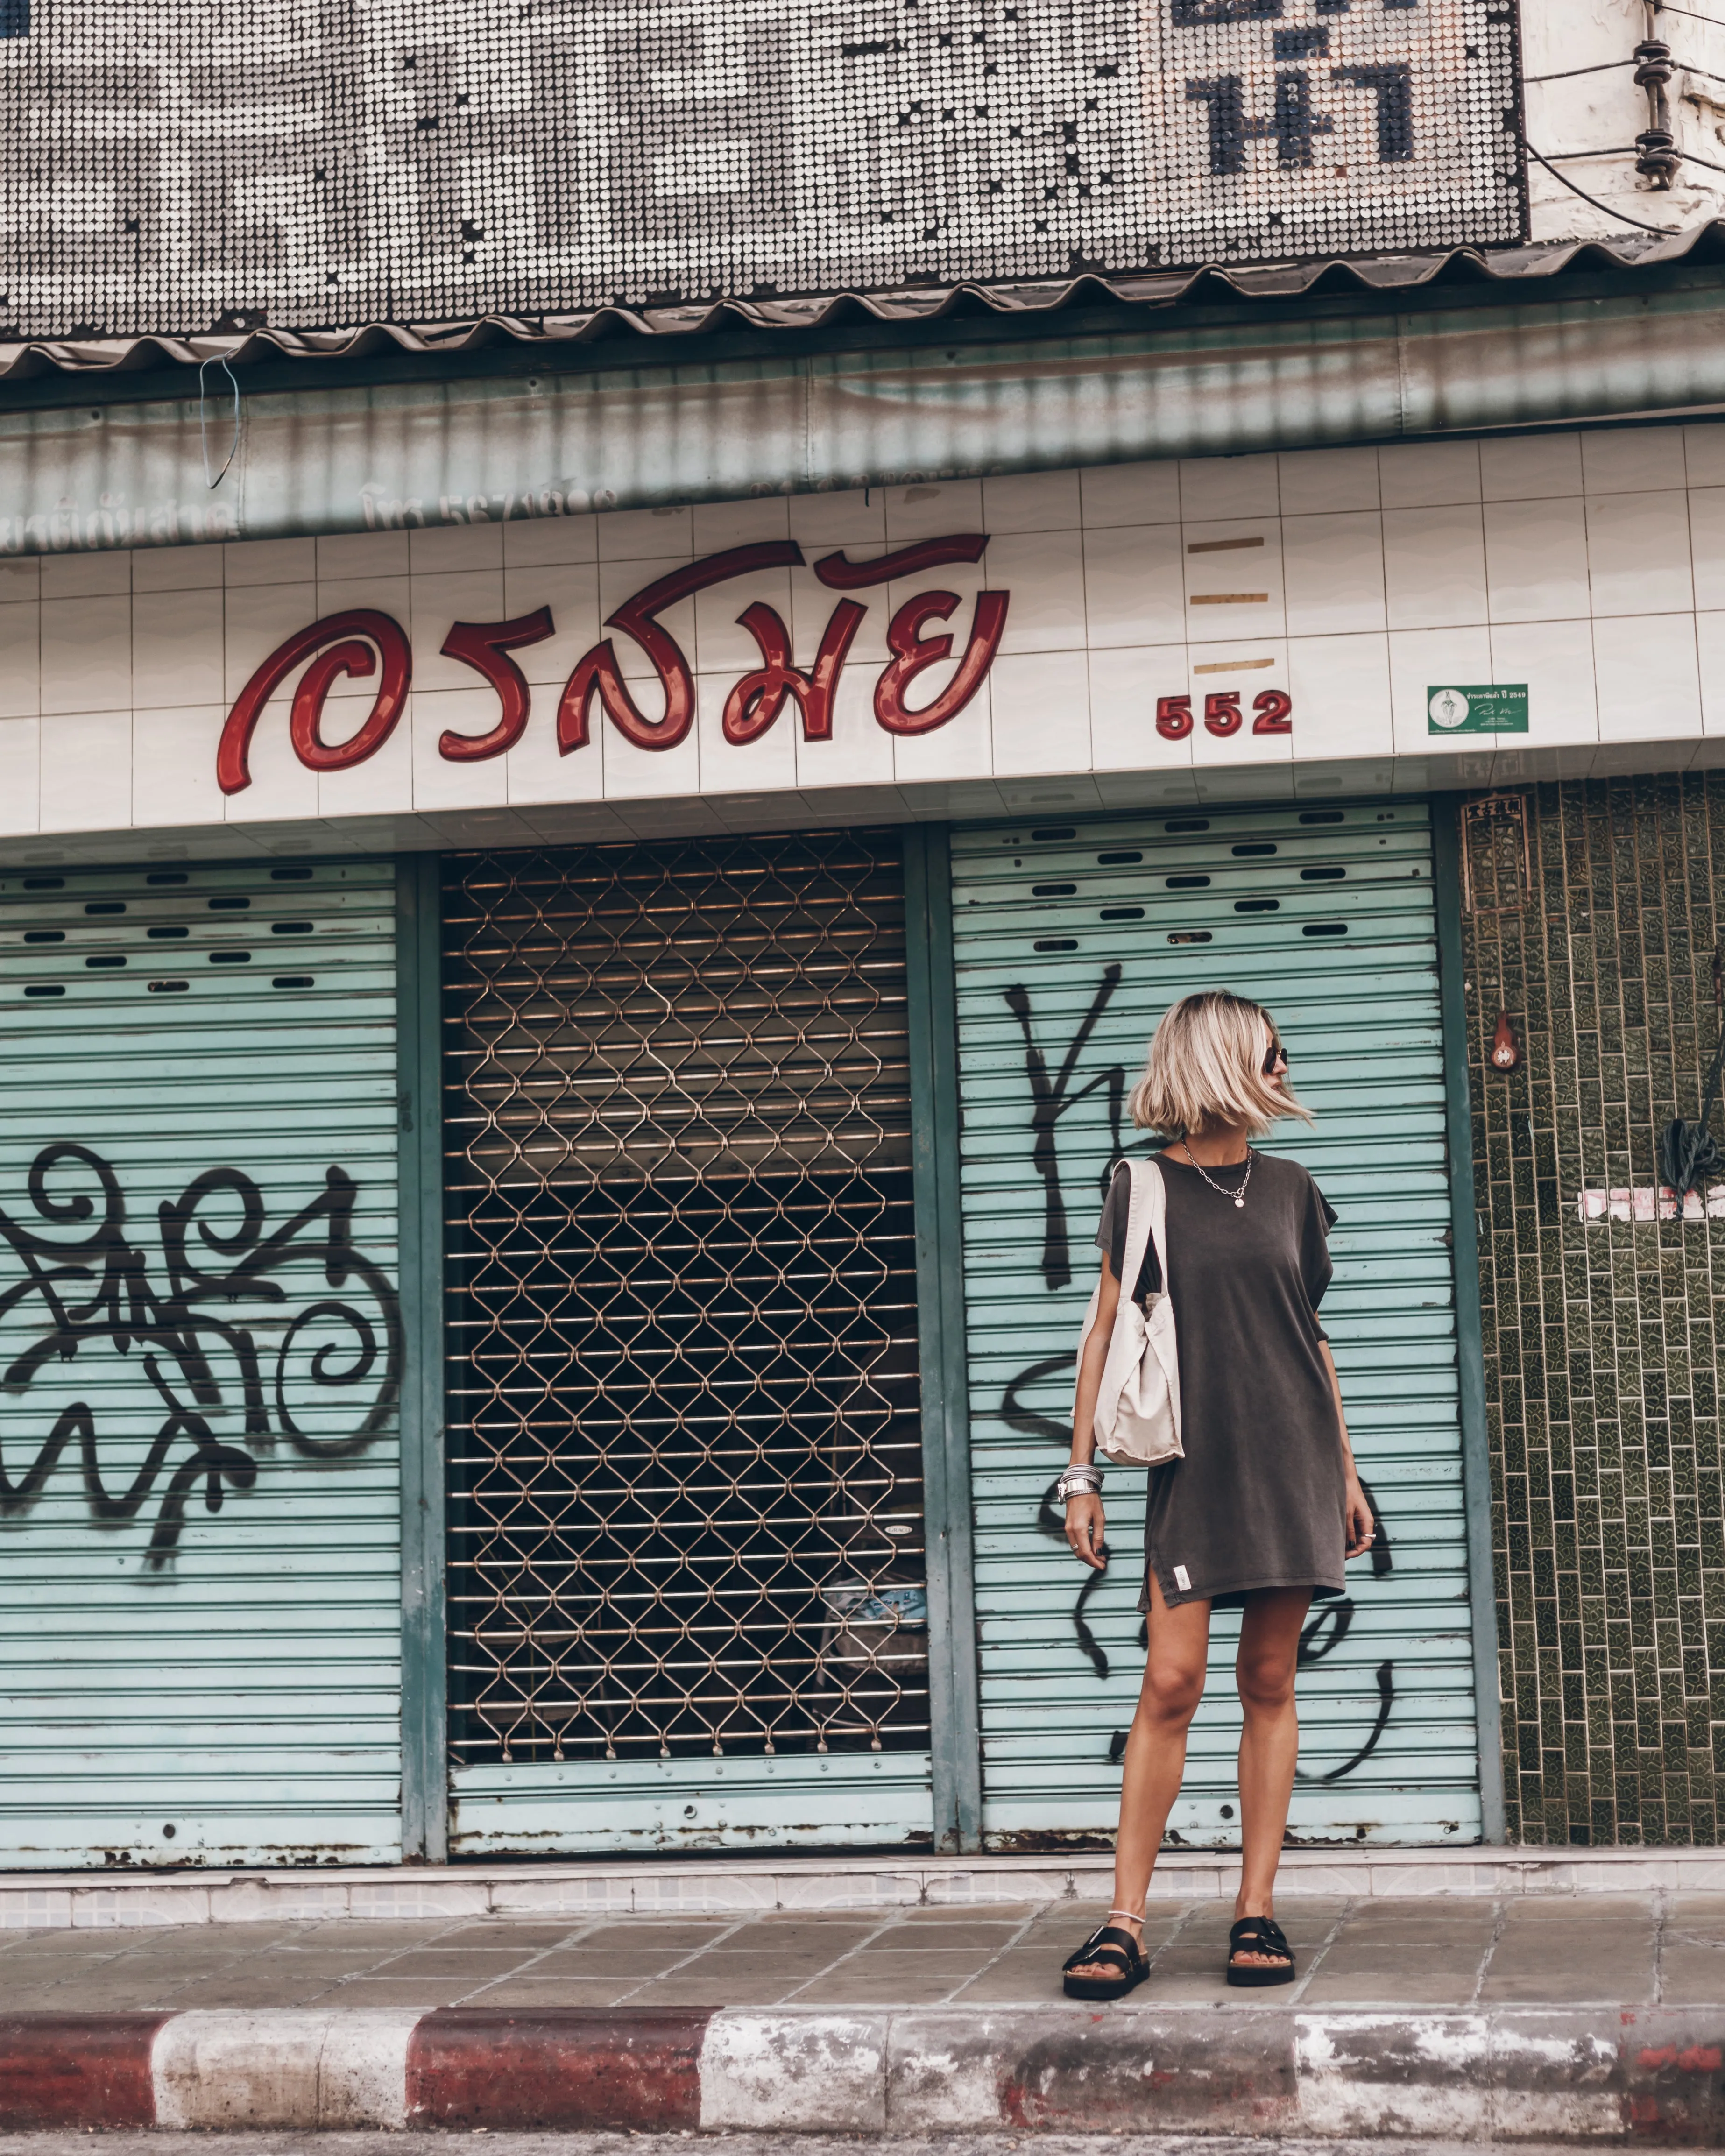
<point>1266,1505</point>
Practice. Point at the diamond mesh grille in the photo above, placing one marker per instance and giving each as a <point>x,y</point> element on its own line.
<point>686,1448</point>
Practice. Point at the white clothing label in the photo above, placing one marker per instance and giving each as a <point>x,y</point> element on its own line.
<point>1182,1579</point>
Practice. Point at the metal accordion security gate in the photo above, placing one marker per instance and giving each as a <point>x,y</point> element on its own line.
<point>687,1604</point>
<point>201,1353</point>
<point>1071,940</point>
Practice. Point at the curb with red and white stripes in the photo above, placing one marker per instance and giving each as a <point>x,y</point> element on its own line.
<point>1541,2074</point>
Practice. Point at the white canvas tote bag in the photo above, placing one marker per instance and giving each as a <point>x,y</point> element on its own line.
<point>1137,1418</point>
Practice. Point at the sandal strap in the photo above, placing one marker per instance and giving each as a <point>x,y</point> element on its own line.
<point>1259,1935</point>
<point>1108,1943</point>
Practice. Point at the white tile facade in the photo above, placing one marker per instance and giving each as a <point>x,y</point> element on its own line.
<point>1590,566</point>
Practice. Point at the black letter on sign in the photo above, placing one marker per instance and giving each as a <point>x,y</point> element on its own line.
<point>1296,123</point>
<point>1393,85</point>
<point>1225,96</point>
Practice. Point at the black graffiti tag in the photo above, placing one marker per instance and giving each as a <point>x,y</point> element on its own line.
<point>1050,1099</point>
<point>173,1330</point>
<point>1317,1645</point>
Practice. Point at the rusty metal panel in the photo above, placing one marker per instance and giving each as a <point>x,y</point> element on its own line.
<point>200,1597</point>
<point>686,1588</point>
<point>1072,941</point>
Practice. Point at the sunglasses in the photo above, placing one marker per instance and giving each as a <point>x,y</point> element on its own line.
<point>1277,1052</point>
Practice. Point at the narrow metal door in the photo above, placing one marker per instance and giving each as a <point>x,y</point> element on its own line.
<point>686,1593</point>
<point>199,1363</point>
<point>1072,941</point>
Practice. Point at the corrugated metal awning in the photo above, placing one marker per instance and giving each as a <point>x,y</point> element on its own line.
<point>251,341</point>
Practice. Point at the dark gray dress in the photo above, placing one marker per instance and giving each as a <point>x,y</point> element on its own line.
<point>1257,1501</point>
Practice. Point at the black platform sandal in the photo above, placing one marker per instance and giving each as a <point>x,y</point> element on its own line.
<point>1260,1935</point>
<point>1109,1944</point>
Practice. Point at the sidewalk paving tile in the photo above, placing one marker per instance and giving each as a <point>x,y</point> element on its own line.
<point>1568,1953</point>
<point>519,1992</point>
<point>379,1991</point>
<point>973,1912</point>
<point>454,1962</point>
<point>648,1937</point>
<point>962,1937</point>
<point>1691,1975</point>
<point>583,1962</point>
<point>1018,1979</point>
<point>828,1940</point>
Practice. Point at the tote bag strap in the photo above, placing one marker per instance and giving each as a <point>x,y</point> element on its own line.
<point>1157,1210</point>
<point>1148,1198</point>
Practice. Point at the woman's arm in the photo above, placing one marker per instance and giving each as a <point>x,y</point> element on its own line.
<point>1357,1513</point>
<point>1083,1511</point>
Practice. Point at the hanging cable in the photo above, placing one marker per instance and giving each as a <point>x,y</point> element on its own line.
<point>202,425</point>
<point>1664,231</point>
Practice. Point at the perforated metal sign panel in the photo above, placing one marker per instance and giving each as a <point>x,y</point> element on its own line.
<point>304,163</point>
<point>1071,942</point>
<point>199,1357</point>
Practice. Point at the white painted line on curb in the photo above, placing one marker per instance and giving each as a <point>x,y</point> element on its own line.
<point>805,2073</point>
<point>341,2067</point>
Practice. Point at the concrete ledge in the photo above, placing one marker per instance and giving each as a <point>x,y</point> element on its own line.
<point>1535,2075</point>
<point>685,1886</point>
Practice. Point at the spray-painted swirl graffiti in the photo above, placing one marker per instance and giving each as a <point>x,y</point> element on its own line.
<point>176,1330</point>
<point>1050,1099</point>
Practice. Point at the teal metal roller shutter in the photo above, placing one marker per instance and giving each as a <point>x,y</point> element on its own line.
<point>199,1347</point>
<point>1072,941</point>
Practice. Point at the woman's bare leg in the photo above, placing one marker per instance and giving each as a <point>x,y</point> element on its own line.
<point>1155,1751</point>
<point>1269,1743</point>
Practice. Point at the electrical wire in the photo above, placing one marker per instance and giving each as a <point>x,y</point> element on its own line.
<point>202,427</point>
<point>1665,231</point>
<point>1598,67</point>
<point>1602,67</point>
<point>1665,7</point>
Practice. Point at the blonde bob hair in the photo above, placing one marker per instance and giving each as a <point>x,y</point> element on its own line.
<point>1206,1066</point>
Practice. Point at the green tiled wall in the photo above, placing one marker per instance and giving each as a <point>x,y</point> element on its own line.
<point>1602,1341</point>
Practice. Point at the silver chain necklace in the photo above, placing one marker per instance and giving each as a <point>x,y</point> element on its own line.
<point>1238,1196</point>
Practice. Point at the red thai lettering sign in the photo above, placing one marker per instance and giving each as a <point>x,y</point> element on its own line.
<point>362,643</point>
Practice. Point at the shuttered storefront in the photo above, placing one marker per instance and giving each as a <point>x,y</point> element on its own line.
<point>1071,942</point>
<point>199,1343</point>
<point>686,1588</point>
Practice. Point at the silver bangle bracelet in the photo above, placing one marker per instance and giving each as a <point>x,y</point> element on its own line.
<point>1079,1480</point>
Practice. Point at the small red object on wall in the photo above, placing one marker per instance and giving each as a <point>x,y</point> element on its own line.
<point>1505,1055</point>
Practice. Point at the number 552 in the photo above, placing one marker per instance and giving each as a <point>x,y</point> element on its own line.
<point>1274,712</point>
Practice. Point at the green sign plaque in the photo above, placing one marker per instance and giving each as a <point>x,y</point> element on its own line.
<point>1493,708</point>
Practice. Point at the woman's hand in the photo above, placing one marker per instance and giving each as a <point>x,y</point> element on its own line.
<point>1084,1531</point>
<point>1356,1516</point>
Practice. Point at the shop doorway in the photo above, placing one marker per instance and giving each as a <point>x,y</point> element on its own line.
<point>687,1587</point>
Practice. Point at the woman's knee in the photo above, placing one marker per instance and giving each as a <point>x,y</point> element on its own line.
<point>1266,1680</point>
<point>1172,1689</point>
